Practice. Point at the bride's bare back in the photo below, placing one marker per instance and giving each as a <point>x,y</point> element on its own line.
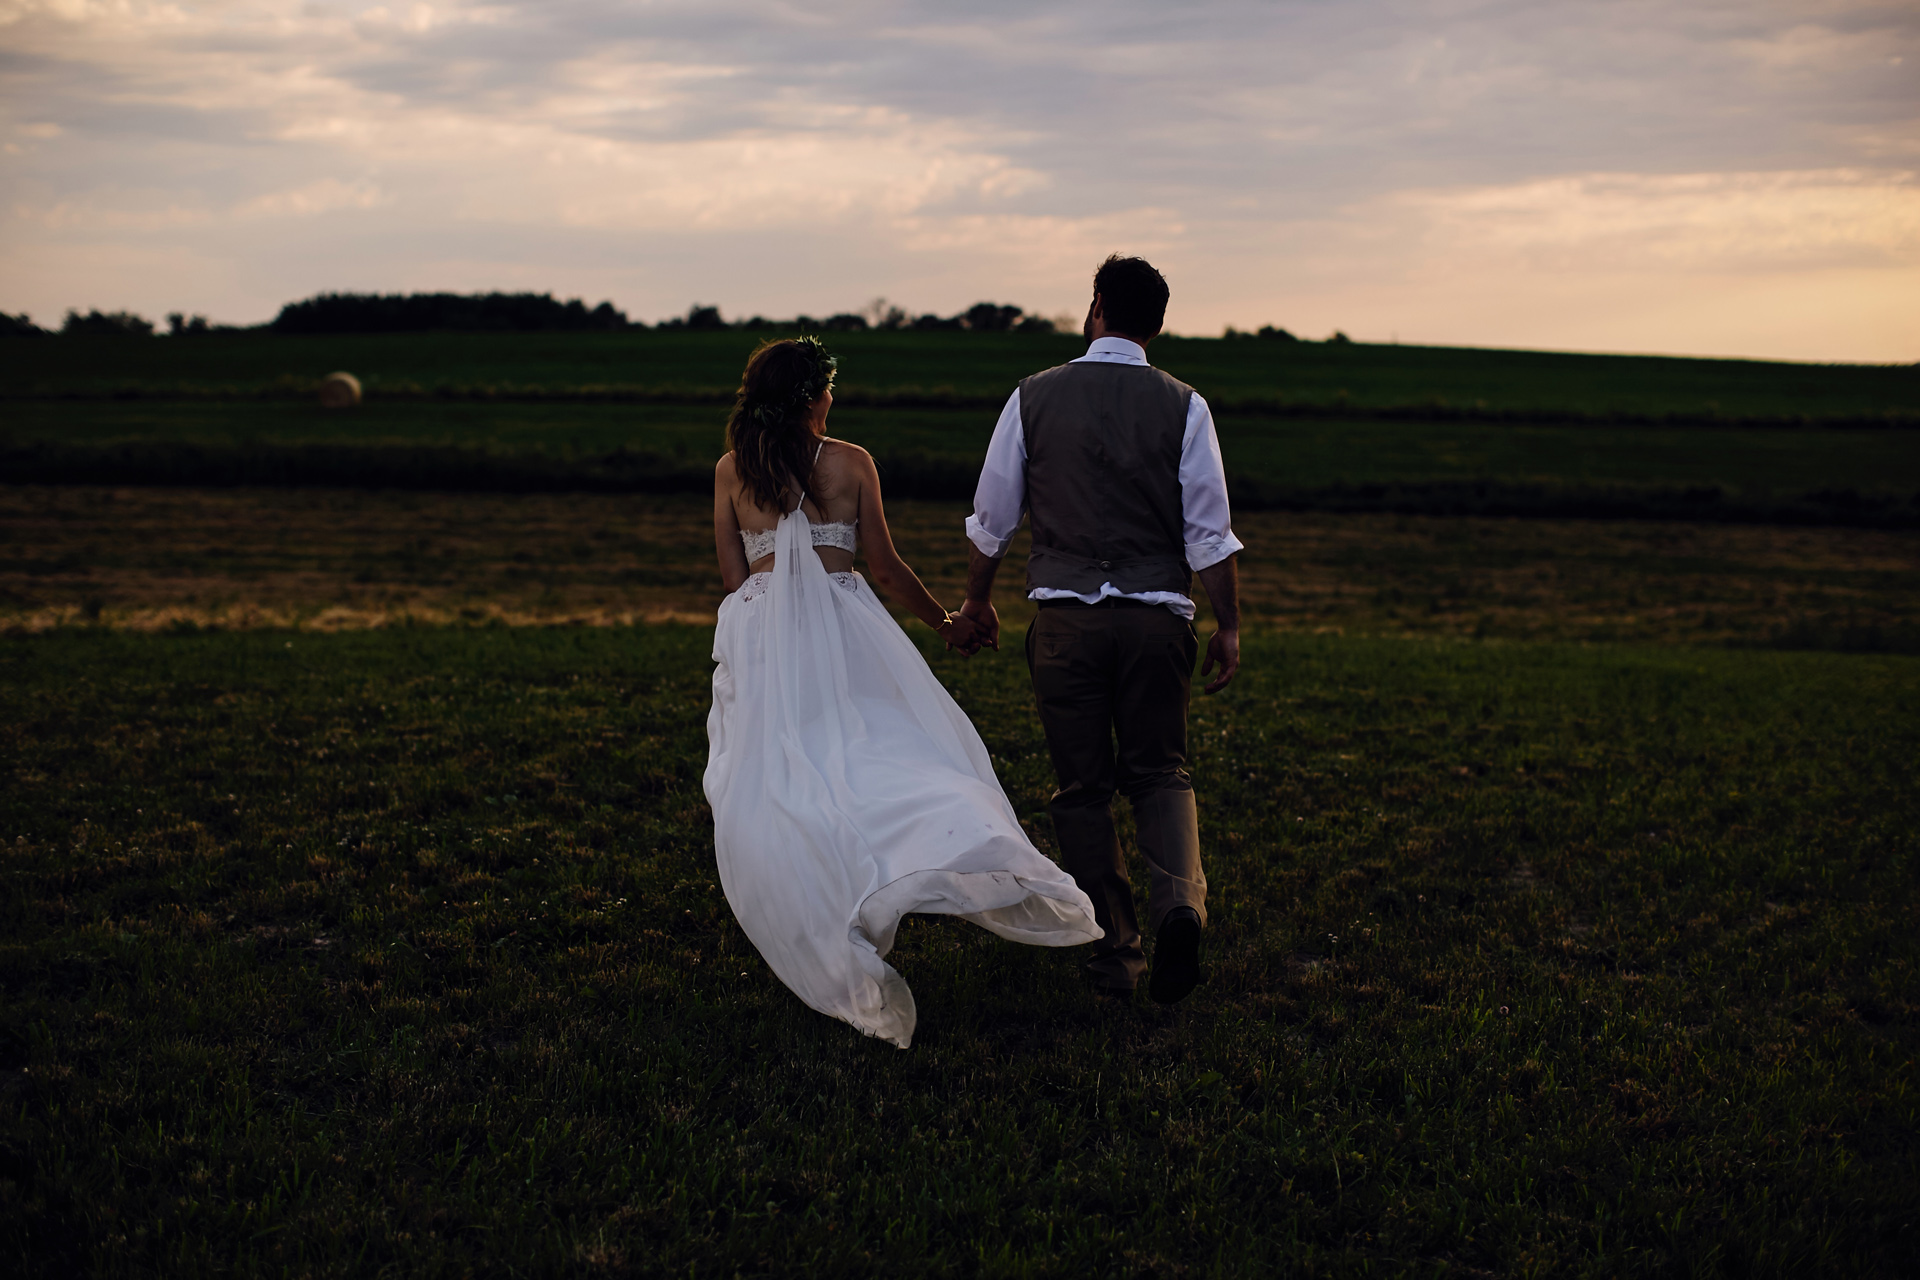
<point>832,496</point>
<point>843,488</point>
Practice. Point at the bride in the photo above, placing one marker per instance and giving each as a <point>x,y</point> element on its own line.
<point>848,789</point>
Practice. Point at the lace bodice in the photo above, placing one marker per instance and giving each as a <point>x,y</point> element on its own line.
<point>757,584</point>
<point>759,542</point>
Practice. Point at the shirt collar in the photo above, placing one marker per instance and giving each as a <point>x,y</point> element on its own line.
<point>1117,350</point>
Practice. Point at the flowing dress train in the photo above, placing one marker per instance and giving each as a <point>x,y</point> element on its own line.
<point>848,790</point>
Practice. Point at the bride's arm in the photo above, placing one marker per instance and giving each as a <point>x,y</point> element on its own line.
<point>726,527</point>
<point>889,572</point>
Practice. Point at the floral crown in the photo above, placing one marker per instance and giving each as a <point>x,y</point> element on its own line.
<point>821,367</point>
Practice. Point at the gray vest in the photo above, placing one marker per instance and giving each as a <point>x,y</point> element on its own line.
<point>1103,477</point>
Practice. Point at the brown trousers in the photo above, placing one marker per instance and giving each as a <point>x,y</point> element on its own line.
<point>1112,682</point>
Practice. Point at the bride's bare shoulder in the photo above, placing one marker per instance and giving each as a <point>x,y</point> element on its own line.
<point>847,456</point>
<point>723,470</point>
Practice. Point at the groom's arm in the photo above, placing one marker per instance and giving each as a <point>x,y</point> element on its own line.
<point>1211,546</point>
<point>978,606</point>
<point>999,502</point>
<point>1221,581</point>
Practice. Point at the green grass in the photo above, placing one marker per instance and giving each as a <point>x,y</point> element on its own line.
<point>980,365</point>
<point>401,953</point>
<point>1607,436</point>
<point>935,452</point>
<point>1300,451</point>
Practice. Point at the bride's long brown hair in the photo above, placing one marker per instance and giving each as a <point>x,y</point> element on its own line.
<point>768,431</point>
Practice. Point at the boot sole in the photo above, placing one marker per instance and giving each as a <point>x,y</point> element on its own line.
<point>1176,961</point>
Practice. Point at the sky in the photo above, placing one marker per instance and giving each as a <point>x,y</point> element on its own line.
<point>1705,178</point>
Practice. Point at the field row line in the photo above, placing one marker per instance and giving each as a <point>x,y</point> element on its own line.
<point>1437,409</point>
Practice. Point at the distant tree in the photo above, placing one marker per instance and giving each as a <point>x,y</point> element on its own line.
<point>1034,324</point>
<point>20,326</point>
<point>882,314</point>
<point>703,317</point>
<point>845,322</point>
<point>931,321</point>
<point>1276,334</point>
<point>986,317</point>
<point>179,326</point>
<point>111,324</point>
<point>445,313</point>
<point>609,318</point>
<point>1339,337</point>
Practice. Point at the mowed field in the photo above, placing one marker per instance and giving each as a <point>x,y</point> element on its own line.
<point>1291,453</point>
<point>967,364</point>
<point>158,559</point>
<point>360,913</point>
<point>1303,426</point>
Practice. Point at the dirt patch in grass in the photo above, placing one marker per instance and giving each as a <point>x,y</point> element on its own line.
<point>158,559</point>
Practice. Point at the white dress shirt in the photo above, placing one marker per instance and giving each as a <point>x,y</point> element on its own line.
<point>1000,500</point>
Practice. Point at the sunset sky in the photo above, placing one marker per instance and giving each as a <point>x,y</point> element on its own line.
<point>1700,178</point>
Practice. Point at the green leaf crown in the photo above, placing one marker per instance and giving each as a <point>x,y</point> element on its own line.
<point>772,414</point>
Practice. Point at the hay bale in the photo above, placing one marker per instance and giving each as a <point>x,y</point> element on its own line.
<point>339,391</point>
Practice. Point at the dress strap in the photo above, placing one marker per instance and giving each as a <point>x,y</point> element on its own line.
<point>816,462</point>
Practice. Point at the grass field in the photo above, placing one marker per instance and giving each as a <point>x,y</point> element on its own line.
<point>157,559</point>
<point>977,365</point>
<point>1818,475</point>
<point>1300,452</point>
<point>1412,431</point>
<point>358,912</point>
<point>400,952</point>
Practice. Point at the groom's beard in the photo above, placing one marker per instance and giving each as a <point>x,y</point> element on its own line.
<point>1086,327</point>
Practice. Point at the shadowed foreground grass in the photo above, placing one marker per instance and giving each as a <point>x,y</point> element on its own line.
<point>401,952</point>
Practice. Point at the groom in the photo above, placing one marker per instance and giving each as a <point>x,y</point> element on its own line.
<point>1120,469</point>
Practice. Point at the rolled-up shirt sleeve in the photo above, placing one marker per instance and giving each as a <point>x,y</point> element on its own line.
<point>1203,491</point>
<point>1000,499</point>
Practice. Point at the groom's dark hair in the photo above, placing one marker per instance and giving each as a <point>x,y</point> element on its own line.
<point>1133,296</point>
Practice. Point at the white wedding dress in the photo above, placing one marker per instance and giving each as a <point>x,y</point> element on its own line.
<point>848,789</point>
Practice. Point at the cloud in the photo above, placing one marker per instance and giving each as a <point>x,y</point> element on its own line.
<point>1697,221</point>
<point>1294,159</point>
<point>324,196</point>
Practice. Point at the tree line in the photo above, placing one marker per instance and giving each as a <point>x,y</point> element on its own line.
<point>372,313</point>
<point>981,317</point>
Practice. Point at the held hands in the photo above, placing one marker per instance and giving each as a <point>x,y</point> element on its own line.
<point>986,625</point>
<point>960,632</point>
<point>972,629</point>
<point>1223,651</point>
